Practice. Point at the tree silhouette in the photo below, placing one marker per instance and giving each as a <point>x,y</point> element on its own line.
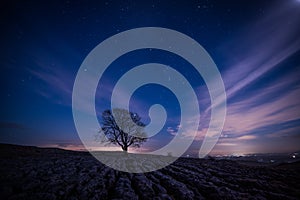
<point>123,128</point>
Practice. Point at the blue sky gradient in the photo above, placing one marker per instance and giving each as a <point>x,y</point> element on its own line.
<point>255,44</point>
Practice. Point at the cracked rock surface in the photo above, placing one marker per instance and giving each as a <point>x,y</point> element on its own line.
<point>44,173</point>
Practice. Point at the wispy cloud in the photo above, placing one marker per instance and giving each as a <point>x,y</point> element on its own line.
<point>57,81</point>
<point>261,46</point>
<point>257,50</point>
<point>252,113</point>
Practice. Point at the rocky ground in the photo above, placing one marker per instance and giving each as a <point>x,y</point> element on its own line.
<point>36,173</point>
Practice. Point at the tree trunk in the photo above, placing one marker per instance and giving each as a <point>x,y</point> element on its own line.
<point>125,148</point>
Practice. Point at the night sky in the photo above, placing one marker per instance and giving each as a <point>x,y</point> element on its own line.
<point>255,45</point>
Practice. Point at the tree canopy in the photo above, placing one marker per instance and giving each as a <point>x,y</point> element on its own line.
<point>123,128</point>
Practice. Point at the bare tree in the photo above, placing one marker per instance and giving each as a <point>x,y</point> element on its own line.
<point>123,128</point>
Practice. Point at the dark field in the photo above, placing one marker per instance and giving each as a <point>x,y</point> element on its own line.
<point>39,173</point>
